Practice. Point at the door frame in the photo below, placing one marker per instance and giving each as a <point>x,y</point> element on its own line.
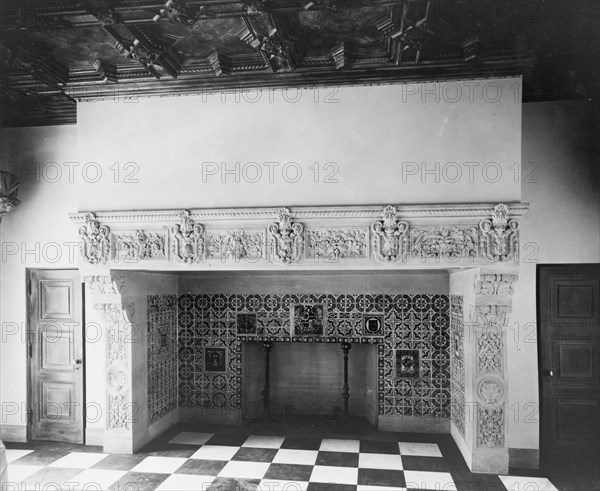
<point>30,332</point>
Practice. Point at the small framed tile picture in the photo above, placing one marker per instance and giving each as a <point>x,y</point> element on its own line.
<point>407,363</point>
<point>372,325</point>
<point>308,319</point>
<point>215,359</point>
<point>246,324</point>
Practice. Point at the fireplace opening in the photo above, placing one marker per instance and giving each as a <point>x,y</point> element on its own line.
<point>307,381</point>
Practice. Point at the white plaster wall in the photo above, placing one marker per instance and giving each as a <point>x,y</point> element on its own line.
<point>561,226</point>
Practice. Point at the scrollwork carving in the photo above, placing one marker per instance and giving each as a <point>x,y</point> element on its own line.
<point>236,245</point>
<point>489,352</point>
<point>390,239</point>
<point>499,236</point>
<point>496,284</point>
<point>335,244</point>
<point>288,235</point>
<point>444,242</point>
<point>94,244</point>
<point>105,285</point>
<point>140,246</point>
<point>492,316</point>
<point>188,239</point>
<point>490,426</point>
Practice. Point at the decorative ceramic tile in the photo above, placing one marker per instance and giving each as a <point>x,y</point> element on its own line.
<point>246,323</point>
<point>308,319</point>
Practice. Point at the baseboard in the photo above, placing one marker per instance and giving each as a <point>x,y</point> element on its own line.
<point>410,424</point>
<point>13,433</point>
<point>524,458</point>
<point>210,415</point>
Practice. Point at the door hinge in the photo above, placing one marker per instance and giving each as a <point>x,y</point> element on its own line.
<point>30,349</point>
<point>28,286</point>
<point>30,416</point>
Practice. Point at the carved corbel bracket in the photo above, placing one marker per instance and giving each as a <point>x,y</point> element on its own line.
<point>390,237</point>
<point>288,238</point>
<point>94,240</point>
<point>499,241</point>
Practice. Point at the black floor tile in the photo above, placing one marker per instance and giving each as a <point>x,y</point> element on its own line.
<point>430,464</point>
<point>41,457</point>
<point>119,462</point>
<point>232,484</point>
<point>249,454</point>
<point>289,472</point>
<point>338,459</point>
<point>299,443</point>
<point>381,477</point>
<point>317,486</point>
<point>374,446</point>
<point>202,467</point>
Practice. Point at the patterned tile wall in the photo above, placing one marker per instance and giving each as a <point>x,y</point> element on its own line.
<point>162,355</point>
<point>457,362</point>
<point>417,324</point>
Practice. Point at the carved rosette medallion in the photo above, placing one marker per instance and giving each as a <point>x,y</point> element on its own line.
<point>490,390</point>
<point>94,243</point>
<point>390,237</point>
<point>140,246</point>
<point>288,238</point>
<point>236,245</point>
<point>335,244</point>
<point>188,239</point>
<point>499,236</point>
<point>444,242</point>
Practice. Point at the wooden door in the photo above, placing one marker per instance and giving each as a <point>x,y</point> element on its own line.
<point>569,338</point>
<point>55,348</point>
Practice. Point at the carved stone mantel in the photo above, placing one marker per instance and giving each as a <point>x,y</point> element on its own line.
<point>349,237</point>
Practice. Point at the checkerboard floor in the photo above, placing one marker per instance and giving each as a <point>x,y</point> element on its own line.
<point>235,460</point>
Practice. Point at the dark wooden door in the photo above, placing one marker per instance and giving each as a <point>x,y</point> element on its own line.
<point>569,355</point>
<point>55,355</point>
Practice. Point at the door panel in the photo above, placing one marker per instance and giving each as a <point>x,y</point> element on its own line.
<point>569,356</point>
<point>56,356</point>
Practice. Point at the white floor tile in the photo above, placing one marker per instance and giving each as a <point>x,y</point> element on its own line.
<point>14,454</point>
<point>264,441</point>
<point>299,457</point>
<point>96,479</point>
<point>335,445</point>
<point>215,452</point>
<point>524,483</point>
<point>79,460</point>
<point>162,465</point>
<point>429,480</point>
<point>190,438</point>
<point>185,482</point>
<point>17,473</point>
<point>420,449</point>
<point>279,485</point>
<point>379,461</point>
<point>249,470</point>
<point>335,475</point>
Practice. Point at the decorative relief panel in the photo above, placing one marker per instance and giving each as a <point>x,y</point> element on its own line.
<point>235,245</point>
<point>106,285</point>
<point>490,426</point>
<point>409,322</point>
<point>287,237</point>
<point>492,316</point>
<point>489,352</point>
<point>162,355</point>
<point>499,236</point>
<point>457,362</point>
<point>443,242</point>
<point>496,284</point>
<point>139,246</point>
<point>94,243</point>
<point>390,237</point>
<point>335,244</point>
<point>187,239</point>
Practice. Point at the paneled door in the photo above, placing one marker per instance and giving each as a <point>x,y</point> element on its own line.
<point>569,338</point>
<point>55,348</point>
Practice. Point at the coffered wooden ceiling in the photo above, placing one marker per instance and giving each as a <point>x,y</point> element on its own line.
<point>54,53</point>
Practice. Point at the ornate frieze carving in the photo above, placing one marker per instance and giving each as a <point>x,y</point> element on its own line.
<point>105,285</point>
<point>235,245</point>
<point>94,244</point>
<point>490,426</point>
<point>499,236</point>
<point>444,242</point>
<point>489,352</point>
<point>390,238</point>
<point>492,316</point>
<point>335,244</point>
<point>288,238</point>
<point>188,239</point>
<point>495,284</point>
<point>140,246</point>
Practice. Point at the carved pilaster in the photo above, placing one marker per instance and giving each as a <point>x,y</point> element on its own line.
<point>390,237</point>
<point>288,238</point>
<point>188,239</point>
<point>94,243</point>
<point>499,236</point>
